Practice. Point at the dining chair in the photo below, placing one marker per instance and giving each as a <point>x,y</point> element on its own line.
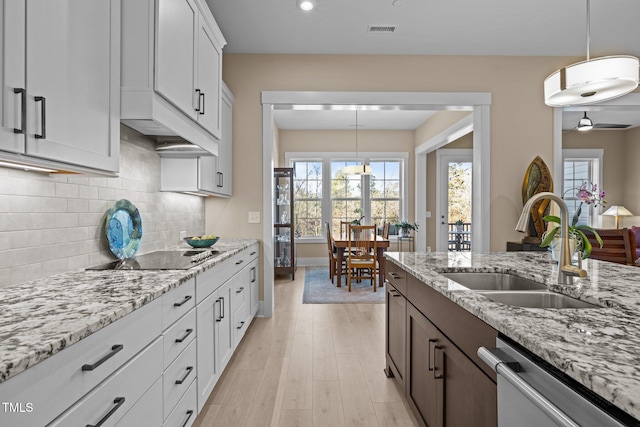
<point>386,226</point>
<point>333,258</point>
<point>362,254</point>
<point>344,227</point>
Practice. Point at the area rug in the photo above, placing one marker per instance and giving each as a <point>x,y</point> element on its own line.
<point>318,289</point>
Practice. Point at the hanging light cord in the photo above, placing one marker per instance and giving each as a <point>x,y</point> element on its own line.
<point>588,28</point>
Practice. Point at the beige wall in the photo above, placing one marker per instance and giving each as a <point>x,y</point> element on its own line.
<point>438,123</point>
<point>344,141</point>
<point>517,100</point>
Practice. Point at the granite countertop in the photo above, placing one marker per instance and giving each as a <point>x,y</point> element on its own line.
<point>600,348</point>
<point>42,317</point>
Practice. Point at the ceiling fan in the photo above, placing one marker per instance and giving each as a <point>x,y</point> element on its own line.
<point>586,124</point>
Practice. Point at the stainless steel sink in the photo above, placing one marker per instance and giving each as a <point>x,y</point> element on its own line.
<point>530,299</point>
<point>494,282</point>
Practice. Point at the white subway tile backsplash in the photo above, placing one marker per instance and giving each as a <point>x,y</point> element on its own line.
<point>54,224</point>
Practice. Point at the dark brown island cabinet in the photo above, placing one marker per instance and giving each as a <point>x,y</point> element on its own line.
<point>431,346</point>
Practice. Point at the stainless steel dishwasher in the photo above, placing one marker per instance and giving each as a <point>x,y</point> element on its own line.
<point>530,396</point>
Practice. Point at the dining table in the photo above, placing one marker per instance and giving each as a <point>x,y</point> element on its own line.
<point>341,243</point>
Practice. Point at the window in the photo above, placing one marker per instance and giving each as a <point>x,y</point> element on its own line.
<point>323,193</point>
<point>580,166</point>
<point>307,193</point>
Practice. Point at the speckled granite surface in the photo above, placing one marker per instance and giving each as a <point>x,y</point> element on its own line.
<point>599,348</point>
<point>42,317</point>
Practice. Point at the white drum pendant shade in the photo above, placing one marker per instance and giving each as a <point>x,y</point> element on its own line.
<point>592,81</point>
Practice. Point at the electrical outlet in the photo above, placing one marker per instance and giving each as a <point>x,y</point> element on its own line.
<point>254,217</point>
<point>183,234</point>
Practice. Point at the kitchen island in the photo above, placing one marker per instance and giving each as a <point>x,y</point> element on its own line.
<point>599,348</point>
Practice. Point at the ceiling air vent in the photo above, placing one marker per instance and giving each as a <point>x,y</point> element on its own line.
<point>387,29</point>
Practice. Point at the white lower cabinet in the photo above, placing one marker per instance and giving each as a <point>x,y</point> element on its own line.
<point>178,377</point>
<point>111,400</point>
<point>186,411</point>
<point>215,339</point>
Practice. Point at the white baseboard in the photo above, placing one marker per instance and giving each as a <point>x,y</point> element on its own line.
<point>313,262</point>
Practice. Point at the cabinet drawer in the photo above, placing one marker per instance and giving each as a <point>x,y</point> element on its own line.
<point>57,382</point>
<point>179,336</point>
<point>145,412</point>
<point>177,302</point>
<point>177,378</point>
<point>112,399</point>
<point>185,412</point>
<point>238,291</point>
<point>396,276</point>
<point>240,322</point>
<point>210,280</point>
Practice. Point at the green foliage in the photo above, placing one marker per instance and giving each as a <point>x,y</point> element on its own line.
<point>405,225</point>
<point>575,229</point>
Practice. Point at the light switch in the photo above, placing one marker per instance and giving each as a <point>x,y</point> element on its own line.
<point>254,217</point>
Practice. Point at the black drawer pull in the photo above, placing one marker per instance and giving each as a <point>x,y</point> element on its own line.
<point>43,112</point>
<point>118,401</point>
<point>252,253</point>
<point>202,106</point>
<point>189,413</point>
<point>240,290</point>
<point>395,293</point>
<point>189,369</point>
<point>116,348</point>
<point>184,337</point>
<point>241,325</point>
<point>239,262</point>
<point>198,107</point>
<point>395,275</point>
<point>178,304</point>
<point>23,110</point>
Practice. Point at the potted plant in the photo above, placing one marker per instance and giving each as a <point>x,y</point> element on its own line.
<point>459,225</point>
<point>405,228</point>
<point>590,195</point>
<point>358,221</point>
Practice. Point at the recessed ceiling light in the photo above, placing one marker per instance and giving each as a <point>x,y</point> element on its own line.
<point>306,5</point>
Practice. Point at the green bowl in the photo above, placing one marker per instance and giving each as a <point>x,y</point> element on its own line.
<point>200,243</point>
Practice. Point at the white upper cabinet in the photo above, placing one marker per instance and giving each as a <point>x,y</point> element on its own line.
<point>66,54</point>
<point>171,70</point>
<point>225,147</point>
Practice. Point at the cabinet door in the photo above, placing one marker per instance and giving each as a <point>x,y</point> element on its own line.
<point>207,173</point>
<point>12,75</point>
<point>73,78</point>
<point>422,387</point>
<point>254,286</point>
<point>225,149</point>
<point>209,60</point>
<point>396,315</point>
<point>208,315</point>
<point>224,342</point>
<point>175,53</point>
<point>469,396</point>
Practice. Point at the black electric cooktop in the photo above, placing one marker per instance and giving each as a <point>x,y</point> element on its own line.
<point>161,260</point>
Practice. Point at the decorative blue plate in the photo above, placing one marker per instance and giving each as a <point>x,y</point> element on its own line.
<point>124,229</point>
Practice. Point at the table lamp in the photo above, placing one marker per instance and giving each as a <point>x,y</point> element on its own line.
<point>617,211</point>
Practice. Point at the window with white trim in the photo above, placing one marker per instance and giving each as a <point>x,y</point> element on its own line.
<point>324,193</point>
<point>581,166</point>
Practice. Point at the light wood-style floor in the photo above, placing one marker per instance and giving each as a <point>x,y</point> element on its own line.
<point>309,365</point>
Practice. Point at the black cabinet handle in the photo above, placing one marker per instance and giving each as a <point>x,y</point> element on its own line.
<point>184,337</point>
<point>23,110</point>
<point>178,304</point>
<point>189,369</point>
<point>189,413</point>
<point>254,276</point>
<point>241,325</point>
<point>395,275</point>
<point>198,107</point>
<point>220,179</point>
<point>116,348</point>
<point>202,107</point>
<point>220,301</point>
<point>222,305</point>
<point>395,293</point>
<point>252,253</point>
<point>435,362</point>
<point>239,262</point>
<point>118,401</point>
<point>240,290</point>
<point>43,113</point>
<point>431,344</point>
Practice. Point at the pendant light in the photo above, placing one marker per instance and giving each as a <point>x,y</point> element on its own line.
<point>591,81</point>
<point>306,5</point>
<point>357,169</point>
<point>585,123</point>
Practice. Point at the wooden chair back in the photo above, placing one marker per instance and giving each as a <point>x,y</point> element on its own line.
<point>619,245</point>
<point>385,230</point>
<point>344,227</point>
<point>362,253</point>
